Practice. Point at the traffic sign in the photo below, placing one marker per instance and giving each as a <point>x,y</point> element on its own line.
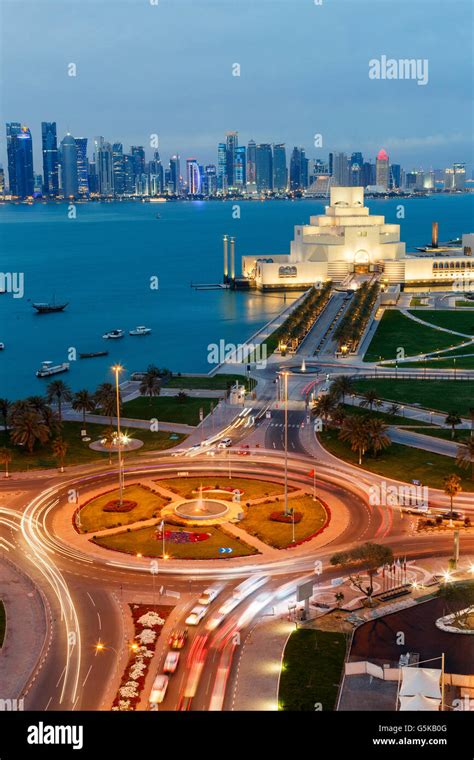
<point>225,550</point>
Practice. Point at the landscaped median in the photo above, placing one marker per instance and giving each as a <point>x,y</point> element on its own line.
<point>268,523</point>
<point>104,511</point>
<point>312,668</point>
<point>183,410</point>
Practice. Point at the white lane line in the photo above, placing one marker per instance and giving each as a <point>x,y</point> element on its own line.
<point>60,677</point>
<point>75,703</point>
<point>49,702</point>
<point>87,676</point>
<point>91,598</point>
<point>100,622</point>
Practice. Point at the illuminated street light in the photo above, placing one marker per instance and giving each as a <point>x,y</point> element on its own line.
<point>117,369</point>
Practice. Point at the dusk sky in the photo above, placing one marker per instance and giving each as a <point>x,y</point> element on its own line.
<point>167,69</point>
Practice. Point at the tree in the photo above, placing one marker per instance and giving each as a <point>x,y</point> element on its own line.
<point>57,392</point>
<point>341,387</point>
<point>355,432</point>
<point>323,407</point>
<point>460,601</point>
<point>452,486</point>
<point>83,401</point>
<point>370,398</point>
<point>453,419</point>
<point>6,457</point>
<point>28,427</point>
<point>465,456</point>
<point>339,597</point>
<point>371,556</point>
<point>378,437</point>
<point>106,398</point>
<point>5,406</point>
<point>182,397</point>
<point>150,385</point>
<point>108,440</point>
<point>60,448</point>
<point>393,410</point>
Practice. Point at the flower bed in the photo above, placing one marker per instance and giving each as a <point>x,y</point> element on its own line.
<point>281,517</point>
<point>181,536</point>
<point>148,621</point>
<point>115,506</point>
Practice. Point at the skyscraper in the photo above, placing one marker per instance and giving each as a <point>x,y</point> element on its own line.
<point>155,170</point>
<point>340,173</point>
<point>395,175</point>
<point>280,171</point>
<point>20,160</point>
<point>129,174</point>
<point>210,181</point>
<point>356,164</point>
<point>251,166</point>
<point>382,173</point>
<point>231,143</point>
<point>69,182</point>
<point>222,167</point>
<point>298,169</point>
<point>264,165</point>
<point>193,176</point>
<point>104,166</point>
<point>138,153</point>
<point>240,167</point>
<point>175,173</point>
<point>118,168</point>
<point>82,166</point>
<point>50,158</point>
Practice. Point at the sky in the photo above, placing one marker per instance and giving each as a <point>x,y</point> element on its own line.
<point>165,67</point>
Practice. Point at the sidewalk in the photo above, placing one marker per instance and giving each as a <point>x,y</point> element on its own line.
<point>25,632</point>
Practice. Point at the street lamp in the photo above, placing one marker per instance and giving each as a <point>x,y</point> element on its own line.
<point>117,370</point>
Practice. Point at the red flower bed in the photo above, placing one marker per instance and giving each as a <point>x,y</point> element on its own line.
<point>317,532</point>
<point>281,517</point>
<point>133,680</point>
<point>114,506</point>
<point>181,536</point>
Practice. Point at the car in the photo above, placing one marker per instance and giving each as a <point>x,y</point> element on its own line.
<point>158,690</point>
<point>171,662</point>
<point>196,615</point>
<point>225,443</point>
<point>208,595</point>
<point>453,516</point>
<point>211,453</point>
<point>177,640</point>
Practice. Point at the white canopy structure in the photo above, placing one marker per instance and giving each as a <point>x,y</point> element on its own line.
<point>421,681</point>
<point>419,702</point>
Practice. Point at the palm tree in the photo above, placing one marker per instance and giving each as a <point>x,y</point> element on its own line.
<point>465,456</point>
<point>393,409</point>
<point>341,387</point>
<point>452,486</point>
<point>150,385</point>
<point>5,405</point>
<point>57,391</point>
<point>27,428</point>
<point>106,399</point>
<point>338,416</point>
<point>355,432</point>
<point>323,407</point>
<point>453,419</point>
<point>379,439</point>
<point>51,420</point>
<point>370,398</point>
<point>60,448</point>
<point>83,401</point>
<point>182,397</point>
<point>6,457</point>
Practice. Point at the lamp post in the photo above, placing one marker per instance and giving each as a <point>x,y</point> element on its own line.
<point>285,375</point>
<point>118,369</point>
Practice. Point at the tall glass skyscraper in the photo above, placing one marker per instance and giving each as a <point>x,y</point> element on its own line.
<point>20,160</point>
<point>155,170</point>
<point>222,166</point>
<point>50,158</point>
<point>240,169</point>
<point>82,166</point>
<point>382,169</point>
<point>175,172</point>
<point>193,176</point>
<point>264,167</point>
<point>232,142</point>
<point>251,164</point>
<point>280,172</point>
<point>69,182</point>
<point>298,169</point>
<point>104,166</point>
<point>118,168</point>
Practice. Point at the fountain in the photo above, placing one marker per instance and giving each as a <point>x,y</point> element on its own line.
<point>303,366</point>
<point>201,509</point>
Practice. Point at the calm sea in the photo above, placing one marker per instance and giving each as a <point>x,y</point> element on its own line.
<point>102,261</point>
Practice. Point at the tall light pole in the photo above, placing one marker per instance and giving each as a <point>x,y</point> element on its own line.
<point>118,369</point>
<point>285,375</point>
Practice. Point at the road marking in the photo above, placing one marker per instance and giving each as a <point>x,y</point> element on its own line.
<point>49,702</point>
<point>60,676</point>
<point>87,676</point>
<point>91,598</point>
<point>100,622</point>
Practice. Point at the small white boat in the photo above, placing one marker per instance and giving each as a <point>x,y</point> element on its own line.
<point>113,334</point>
<point>48,368</point>
<point>2,346</point>
<point>141,330</point>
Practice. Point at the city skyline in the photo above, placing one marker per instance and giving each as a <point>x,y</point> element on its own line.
<point>292,99</point>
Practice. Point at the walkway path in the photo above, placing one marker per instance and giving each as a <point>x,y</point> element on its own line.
<point>433,326</point>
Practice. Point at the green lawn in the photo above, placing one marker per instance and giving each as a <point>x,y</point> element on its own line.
<point>142,541</point>
<point>79,452</point>
<point>449,318</point>
<point>148,505</point>
<point>445,433</point>
<point>465,304</point>
<point>3,622</point>
<point>400,462</point>
<point>397,331</point>
<point>443,395</point>
<point>313,664</point>
<point>168,409</point>
<point>390,419</point>
<point>253,489</point>
<point>214,383</point>
<point>463,362</point>
<point>257,522</point>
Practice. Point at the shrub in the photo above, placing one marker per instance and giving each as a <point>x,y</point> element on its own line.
<point>115,506</point>
<point>281,517</point>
